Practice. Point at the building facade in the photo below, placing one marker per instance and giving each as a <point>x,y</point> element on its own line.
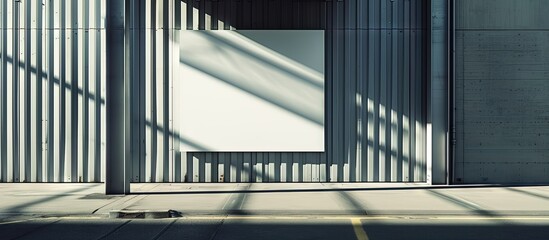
<point>413,91</point>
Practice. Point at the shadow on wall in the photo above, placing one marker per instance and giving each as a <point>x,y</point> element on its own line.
<point>236,94</point>
<point>369,139</point>
<point>255,69</point>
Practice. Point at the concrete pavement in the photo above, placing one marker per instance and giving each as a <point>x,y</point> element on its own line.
<point>276,211</point>
<point>276,199</point>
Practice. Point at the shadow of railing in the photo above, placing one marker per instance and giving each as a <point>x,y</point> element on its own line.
<point>297,93</point>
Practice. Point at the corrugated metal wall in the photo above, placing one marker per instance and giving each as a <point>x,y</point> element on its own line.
<point>52,126</point>
<point>375,91</point>
<point>51,91</point>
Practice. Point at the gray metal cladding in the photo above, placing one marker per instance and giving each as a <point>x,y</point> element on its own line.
<point>51,97</point>
<point>52,90</point>
<point>376,91</point>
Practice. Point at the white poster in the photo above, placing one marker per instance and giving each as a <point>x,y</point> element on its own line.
<point>248,91</point>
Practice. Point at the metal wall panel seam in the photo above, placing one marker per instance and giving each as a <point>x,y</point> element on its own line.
<point>195,161</point>
<point>340,91</point>
<point>160,104</point>
<point>17,84</point>
<point>350,81</point>
<point>208,168</point>
<point>413,95</point>
<point>9,73</point>
<point>399,91</point>
<point>103,79</point>
<point>336,160</point>
<point>56,82</point>
<point>62,91</point>
<point>378,109</point>
<point>138,89</point>
<point>405,127</point>
<point>35,95</point>
<point>394,95</point>
<point>389,95</point>
<point>174,128</point>
<point>370,92</point>
<point>149,109</point>
<point>401,81</point>
<point>195,15</point>
<point>165,88</point>
<point>85,109</point>
<point>3,79</point>
<point>82,94</point>
<point>24,107</point>
<point>283,167</point>
<point>422,102</point>
<point>356,98</point>
<point>361,150</point>
<point>129,83</point>
<point>202,167</point>
<point>43,34</point>
<point>30,78</point>
<point>383,103</point>
<point>362,89</point>
<point>100,157</point>
<point>74,79</point>
<point>66,92</point>
<point>93,101</point>
<point>156,165</point>
<point>328,135</point>
<point>173,47</point>
<point>74,100</point>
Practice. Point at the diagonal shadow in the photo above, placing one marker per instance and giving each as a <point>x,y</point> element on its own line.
<point>458,202</point>
<point>275,99</point>
<point>20,207</point>
<point>298,76</point>
<point>433,187</point>
<point>537,195</point>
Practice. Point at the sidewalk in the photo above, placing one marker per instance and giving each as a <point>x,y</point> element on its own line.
<point>70,199</point>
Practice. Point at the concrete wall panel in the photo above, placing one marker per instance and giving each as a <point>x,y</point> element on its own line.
<point>502,79</point>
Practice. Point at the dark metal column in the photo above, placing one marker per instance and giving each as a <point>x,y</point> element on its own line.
<point>118,166</point>
<point>437,117</point>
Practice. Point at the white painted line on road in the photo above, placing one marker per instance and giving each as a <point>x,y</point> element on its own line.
<point>544,218</point>
<point>359,230</point>
<point>79,218</point>
<point>491,218</point>
<point>13,222</point>
<point>312,217</point>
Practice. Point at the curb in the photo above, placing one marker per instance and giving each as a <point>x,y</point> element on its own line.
<point>144,214</point>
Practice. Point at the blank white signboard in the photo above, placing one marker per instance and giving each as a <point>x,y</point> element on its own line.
<point>249,91</point>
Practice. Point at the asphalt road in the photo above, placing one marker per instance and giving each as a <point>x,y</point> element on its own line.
<point>279,227</point>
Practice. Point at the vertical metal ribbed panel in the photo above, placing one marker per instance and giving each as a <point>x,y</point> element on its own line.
<point>52,91</point>
<point>375,88</point>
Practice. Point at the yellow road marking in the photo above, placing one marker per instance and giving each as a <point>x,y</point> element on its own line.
<point>359,230</point>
